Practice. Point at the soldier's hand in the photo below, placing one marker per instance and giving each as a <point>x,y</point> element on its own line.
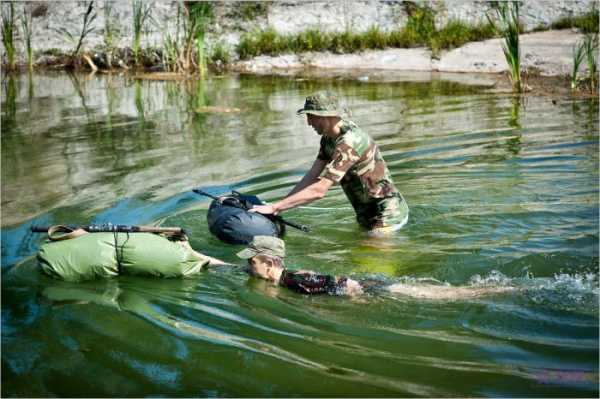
<point>264,209</point>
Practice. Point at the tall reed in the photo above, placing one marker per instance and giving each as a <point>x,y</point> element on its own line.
<point>508,15</point>
<point>590,43</point>
<point>198,17</point>
<point>111,32</point>
<point>8,33</point>
<point>27,32</point>
<point>87,27</point>
<point>578,54</point>
<point>141,13</point>
<point>171,54</point>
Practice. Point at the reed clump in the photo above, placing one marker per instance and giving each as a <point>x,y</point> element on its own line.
<point>590,42</point>
<point>141,14</point>
<point>27,32</point>
<point>507,16</point>
<point>8,33</point>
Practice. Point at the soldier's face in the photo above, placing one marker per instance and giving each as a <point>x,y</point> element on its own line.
<point>260,267</point>
<point>319,124</point>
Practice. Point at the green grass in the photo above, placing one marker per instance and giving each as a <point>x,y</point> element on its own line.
<point>588,22</point>
<point>417,33</point>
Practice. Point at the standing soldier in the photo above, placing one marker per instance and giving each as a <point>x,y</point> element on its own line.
<point>348,156</point>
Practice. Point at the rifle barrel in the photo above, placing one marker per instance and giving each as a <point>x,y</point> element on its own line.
<point>117,228</point>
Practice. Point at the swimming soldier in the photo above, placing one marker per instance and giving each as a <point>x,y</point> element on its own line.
<point>350,157</point>
<point>265,256</point>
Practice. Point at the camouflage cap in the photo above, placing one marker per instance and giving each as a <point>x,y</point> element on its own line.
<point>321,104</point>
<point>264,245</point>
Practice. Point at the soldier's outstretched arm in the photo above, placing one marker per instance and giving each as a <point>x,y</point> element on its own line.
<point>312,176</point>
<point>308,194</point>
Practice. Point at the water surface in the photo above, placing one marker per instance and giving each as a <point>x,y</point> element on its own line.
<point>503,195</point>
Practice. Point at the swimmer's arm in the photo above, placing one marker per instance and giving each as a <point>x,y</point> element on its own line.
<point>214,261</point>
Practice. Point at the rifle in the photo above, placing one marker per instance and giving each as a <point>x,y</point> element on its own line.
<point>120,228</point>
<point>246,204</point>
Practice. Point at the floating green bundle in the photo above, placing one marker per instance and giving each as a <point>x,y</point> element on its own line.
<point>97,255</point>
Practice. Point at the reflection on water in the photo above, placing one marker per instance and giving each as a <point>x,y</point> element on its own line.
<point>495,276</point>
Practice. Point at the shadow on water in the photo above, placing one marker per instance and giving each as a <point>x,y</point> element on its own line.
<point>495,274</point>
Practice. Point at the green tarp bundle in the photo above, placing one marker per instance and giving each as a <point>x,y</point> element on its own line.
<point>97,255</point>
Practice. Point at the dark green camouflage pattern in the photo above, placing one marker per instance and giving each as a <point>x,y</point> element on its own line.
<point>355,162</point>
<point>322,104</point>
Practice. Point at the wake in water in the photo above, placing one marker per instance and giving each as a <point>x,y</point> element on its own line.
<point>565,291</point>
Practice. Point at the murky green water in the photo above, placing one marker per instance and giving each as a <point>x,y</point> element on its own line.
<point>503,197</point>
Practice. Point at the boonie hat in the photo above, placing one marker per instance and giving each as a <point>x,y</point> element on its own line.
<point>264,245</point>
<point>323,103</point>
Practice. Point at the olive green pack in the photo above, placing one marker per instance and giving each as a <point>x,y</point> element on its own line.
<point>98,255</point>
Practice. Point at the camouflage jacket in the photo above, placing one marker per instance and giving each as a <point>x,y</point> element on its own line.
<point>311,283</point>
<point>354,161</point>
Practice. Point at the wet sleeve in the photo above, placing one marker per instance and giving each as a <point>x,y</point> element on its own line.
<point>309,283</point>
<point>344,157</point>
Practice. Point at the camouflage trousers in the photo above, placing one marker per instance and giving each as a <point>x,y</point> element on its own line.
<point>384,215</point>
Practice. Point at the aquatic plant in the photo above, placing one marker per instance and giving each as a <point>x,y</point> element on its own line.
<point>110,31</point>
<point>8,33</point>
<point>171,51</point>
<point>220,55</point>
<point>578,54</point>
<point>27,32</point>
<point>507,14</point>
<point>198,15</point>
<point>141,13</point>
<point>590,43</point>
<point>88,19</point>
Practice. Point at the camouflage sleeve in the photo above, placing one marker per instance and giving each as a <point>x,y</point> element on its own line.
<point>322,154</point>
<point>343,158</point>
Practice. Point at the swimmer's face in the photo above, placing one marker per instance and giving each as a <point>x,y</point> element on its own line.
<point>261,266</point>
